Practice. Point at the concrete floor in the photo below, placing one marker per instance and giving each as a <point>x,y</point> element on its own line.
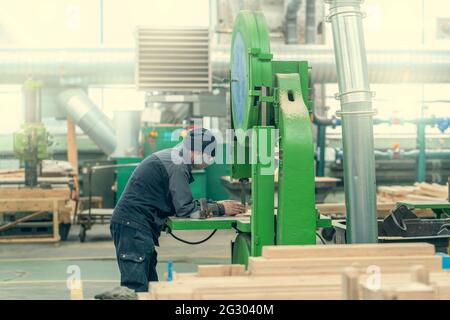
<point>40,271</point>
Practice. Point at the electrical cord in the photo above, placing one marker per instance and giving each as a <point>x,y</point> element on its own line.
<point>192,242</point>
<point>321,238</point>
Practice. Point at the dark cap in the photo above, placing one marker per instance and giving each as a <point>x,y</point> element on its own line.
<point>200,139</point>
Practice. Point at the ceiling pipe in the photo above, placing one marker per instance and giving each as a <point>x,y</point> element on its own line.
<point>103,66</point>
<point>357,124</point>
<point>290,22</point>
<point>385,66</point>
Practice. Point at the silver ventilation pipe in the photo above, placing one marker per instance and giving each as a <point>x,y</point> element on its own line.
<point>290,22</point>
<point>84,67</point>
<point>357,124</point>
<point>310,23</point>
<point>385,66</point>
<point>84,113</point>
<point>73,67</point>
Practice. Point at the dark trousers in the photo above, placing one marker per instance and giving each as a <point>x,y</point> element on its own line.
<point>136,256</point>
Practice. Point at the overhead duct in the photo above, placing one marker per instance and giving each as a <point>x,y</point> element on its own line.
<point>357,124</point>
<point>385,66</point>
<point>290,22</point>
<point>83,67</point>
<point>94,123</point>
<point>127,124</point>
<point>75,67</point>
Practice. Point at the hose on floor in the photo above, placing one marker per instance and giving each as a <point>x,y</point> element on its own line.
<point>192,242</point>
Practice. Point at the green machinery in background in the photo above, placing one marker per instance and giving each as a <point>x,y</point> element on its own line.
<point>269,102</point>
<point>31,141</point>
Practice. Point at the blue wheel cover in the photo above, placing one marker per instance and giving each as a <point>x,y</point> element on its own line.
<point>239,79</point>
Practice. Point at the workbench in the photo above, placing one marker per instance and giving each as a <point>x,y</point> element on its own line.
<point>240,223</point>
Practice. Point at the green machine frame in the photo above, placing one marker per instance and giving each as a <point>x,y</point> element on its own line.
<point>269,101</point>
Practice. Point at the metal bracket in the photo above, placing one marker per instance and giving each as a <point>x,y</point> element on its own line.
<point>346,12</point>
<point>358,113</point>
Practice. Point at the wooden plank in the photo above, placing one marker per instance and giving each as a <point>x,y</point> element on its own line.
<point>409,291</point>
<point>300,286</point>
<point>348,250</point>
<point>261,266</point>
<point>55,220</point>
<point>14,205</point>
<point>220,270</point>
<point>72,153</point>
<point>39,193</point>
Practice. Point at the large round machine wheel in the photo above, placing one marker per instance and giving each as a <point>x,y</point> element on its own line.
<point>241,249</point>
<point>248,71</point>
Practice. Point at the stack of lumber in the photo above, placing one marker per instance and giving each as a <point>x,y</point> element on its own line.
<point>308,272</point>
<point>424,192</point>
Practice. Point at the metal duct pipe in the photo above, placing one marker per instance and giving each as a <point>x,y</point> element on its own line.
<point>96,66</point>
<point>290,23</point>
<point>310,23</point>
<point>31,101</point>
<point>75,67</point>
<point>385,66</point>
<point>128,125</point>
<point>434,154</point>
<point>79,107</point>
<point>357,125</point>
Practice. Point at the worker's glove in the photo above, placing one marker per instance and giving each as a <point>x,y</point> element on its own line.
<point>205,210</point>
<point>209,209</point>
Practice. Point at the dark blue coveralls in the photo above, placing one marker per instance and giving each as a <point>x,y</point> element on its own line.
<point>158,188</point>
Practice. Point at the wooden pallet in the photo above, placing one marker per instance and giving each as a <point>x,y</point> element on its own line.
<point>311,272</point>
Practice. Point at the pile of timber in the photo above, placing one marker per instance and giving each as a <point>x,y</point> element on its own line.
<point>317,272</point>
<point>418,192</point>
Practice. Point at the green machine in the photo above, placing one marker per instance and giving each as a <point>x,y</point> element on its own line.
<point>269,103</point>
<point>31,141</point>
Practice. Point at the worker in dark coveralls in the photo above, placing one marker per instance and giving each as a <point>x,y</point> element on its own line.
<point>158,188</point>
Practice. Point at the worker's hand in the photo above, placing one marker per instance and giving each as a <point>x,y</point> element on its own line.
<point>232,208</point>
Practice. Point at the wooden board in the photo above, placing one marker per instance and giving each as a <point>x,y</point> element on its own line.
<point>262,266</point>
<point>13,205</point>
<point>266,287</point>
<point>221,270</point>
<point>316,272</point>
<point>348,250</point>
<point>39,193</point>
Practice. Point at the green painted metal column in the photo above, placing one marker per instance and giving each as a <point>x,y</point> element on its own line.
<point>296,217</point>
<point>263,188</point>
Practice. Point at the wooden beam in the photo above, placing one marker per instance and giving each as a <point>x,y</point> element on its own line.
<point>72,152</point>
<point>261,266</point>
<point>348,250</point>
<point>14,205</point>
<point>36,193</point>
